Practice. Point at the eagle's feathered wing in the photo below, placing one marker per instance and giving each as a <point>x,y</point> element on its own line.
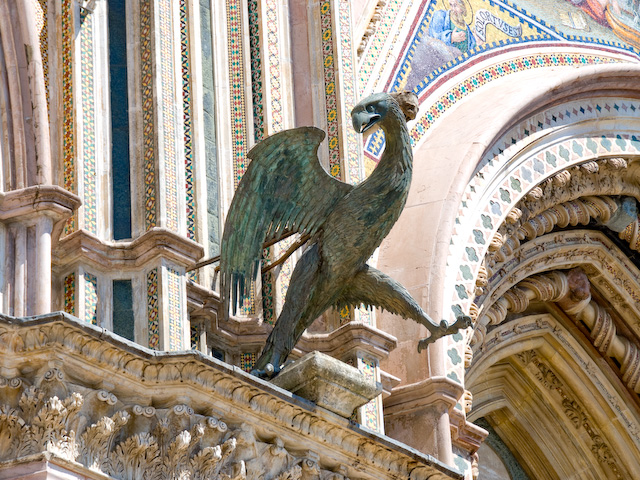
<point>284,188</point>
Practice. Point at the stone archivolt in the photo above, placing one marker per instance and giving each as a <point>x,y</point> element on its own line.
<point>584,195</point>
<point>532,378</point>
<point>68,390</point>
<point>571,291</point>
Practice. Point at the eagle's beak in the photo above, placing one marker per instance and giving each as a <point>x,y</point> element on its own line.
<point>363,120</point>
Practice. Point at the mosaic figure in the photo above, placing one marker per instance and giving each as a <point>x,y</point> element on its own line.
<point>286,189</point>
<point>452,26</point>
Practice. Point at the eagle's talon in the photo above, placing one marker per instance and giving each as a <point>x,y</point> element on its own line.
<point>462,322</point>
<point>267,373</point>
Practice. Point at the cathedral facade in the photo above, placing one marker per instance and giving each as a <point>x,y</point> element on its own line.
<point>124,132</point>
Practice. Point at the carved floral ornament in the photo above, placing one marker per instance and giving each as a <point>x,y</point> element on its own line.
<point>76,392</point>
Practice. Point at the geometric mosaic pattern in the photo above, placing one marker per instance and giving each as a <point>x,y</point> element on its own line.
<point>90,299</point>
<point>257,90</point>
<point>247,361</point>
<point>479,79</point>
<point>70,293</point>
<point>148,128</point>
<point>174,292</point>
<point>370,413</point>
<point>187,119</point>
<point>273,49</point>
<point>153,312</point>
<point>331,97</point>
<point>348,90</point>
<point>89,171</point>
<point>237,90</point>
<point>68,160</point>
<point>376,44</point>
<point>168,113</point>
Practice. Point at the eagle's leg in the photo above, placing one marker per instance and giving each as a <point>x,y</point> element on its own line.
<point>298,312</point>
<point>371,285</point>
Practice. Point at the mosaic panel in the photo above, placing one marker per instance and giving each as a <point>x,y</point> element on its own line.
<point>236,73</point>
<point>187,121</point>
<point>370,411</point>
<point>489,25</point>
<point>247,361</point>
<point>42,20</point>
<point>331,98</point>
<point>174,291</point>
<point>168,114</point>
<point>194,336</point>
<point>70,293</point>
<point>68,161</point>
<point>90,299</point>
<point>153,312</point>
<point>148,128</point>
<point>89,168</point>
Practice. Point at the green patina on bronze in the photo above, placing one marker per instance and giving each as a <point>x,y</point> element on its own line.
<point>286,189</point>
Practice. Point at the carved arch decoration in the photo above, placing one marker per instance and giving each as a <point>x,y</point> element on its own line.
<point>559,328</point>
<point>508,175</point>
<point>547,397</point>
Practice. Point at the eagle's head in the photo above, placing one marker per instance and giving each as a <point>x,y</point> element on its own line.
<point>373,109</point>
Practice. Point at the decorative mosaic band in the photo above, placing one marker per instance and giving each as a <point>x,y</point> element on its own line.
<point>89,169</point>
<point>187,120</point>
<point>257,90</point>
<point>472,83</point>
<point>376,45</point>
<point>348,86</point>
<point>174,291</point>
<point>236,67</point>
<point>168,114</point>
<point>153,312</point>
<point>68,160</point>
<point>70,293</point>
<point>331,98</point>
<point>91,299</point>
<point>275,84</point>
<point>148,127</point>
<point>370,411</point>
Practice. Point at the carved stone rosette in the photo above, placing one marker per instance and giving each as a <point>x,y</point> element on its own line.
<point>83,397</point>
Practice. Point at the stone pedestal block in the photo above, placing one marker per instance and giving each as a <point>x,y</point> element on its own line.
<point>329,383</point>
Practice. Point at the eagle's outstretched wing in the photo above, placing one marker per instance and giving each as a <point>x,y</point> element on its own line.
<point>284,187</point>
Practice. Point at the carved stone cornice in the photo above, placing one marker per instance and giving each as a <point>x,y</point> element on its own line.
<point>465,434</point>
<point>406,399</point>
<point>87,396</point>
<point>83,247</point>
<point>26,202</point>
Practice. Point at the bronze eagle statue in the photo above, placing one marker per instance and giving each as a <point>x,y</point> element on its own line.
<point>286,188</point>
